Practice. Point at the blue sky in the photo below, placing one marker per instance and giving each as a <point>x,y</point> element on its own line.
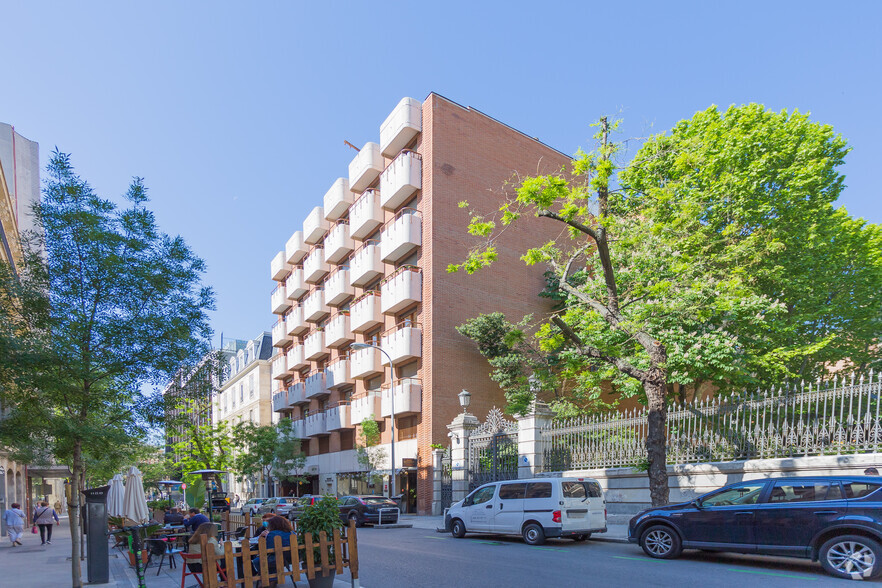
<point>235,113</point>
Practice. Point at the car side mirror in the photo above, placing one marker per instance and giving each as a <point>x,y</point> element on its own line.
<point>696,503</point>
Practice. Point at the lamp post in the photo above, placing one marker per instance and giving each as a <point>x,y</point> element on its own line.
<point>358,346</point>
<point>465,398</point>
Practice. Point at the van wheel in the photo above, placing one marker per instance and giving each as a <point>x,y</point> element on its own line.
<point>852,557</point>
<point>661,542</point>
<point>533,534</point>
<point>582,537</point>
<point>458,529</point>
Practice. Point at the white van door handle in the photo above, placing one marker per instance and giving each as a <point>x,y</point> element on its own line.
<point>489,506</point>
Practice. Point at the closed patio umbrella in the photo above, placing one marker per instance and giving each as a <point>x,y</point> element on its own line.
<point>115,496</point>
<point>134,501</point>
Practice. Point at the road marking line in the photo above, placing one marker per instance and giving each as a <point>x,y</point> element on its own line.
<point>491,542</point>
<point>771,574</point>
<point>434,537</point>
<point>548,548</point>
<point>637,558</point>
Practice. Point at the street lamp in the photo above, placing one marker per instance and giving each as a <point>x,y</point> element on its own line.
<point>464,400</point>
<point>358,346</point>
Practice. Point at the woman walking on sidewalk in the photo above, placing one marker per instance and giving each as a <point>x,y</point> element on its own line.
<point>15,523</point>
<point>43,517</point>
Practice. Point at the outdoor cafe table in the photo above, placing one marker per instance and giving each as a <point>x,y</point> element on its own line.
<point>237,548</point>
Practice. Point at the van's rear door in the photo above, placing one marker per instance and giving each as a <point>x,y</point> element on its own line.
<point>582,506</point>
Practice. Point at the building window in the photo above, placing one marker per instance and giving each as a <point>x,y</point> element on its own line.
<point>407,428</point>
<point>251,386</point>
<point>251,415</point>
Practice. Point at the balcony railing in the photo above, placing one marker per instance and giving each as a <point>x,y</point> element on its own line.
<point>279,367</point>
<point>365,214</point>
<point>401,179</point>
<point>365,167</point>
<point>365,312</point>
<point>338,199</point>
<point>339,416</point>
<point>402,342</point>
<point>337,287</point>
<point>279,268</point>
<point>315,384</point>
<point>296,248</point>
<point>407,393</point>
<point>314,345</point>
<point>338,243</point>
<point>401,235</point>
<point>337,373</point>
<point>401,126</point>
<point>365,363</point>
<point>280,400</point>
<point>314,307</point>
<point>315,268</point>
<point>297,429</point>
<point>365,264</point>
<point>280,334</point>
<point>295,284</point>
<point>401,289</point>
<point>279,302</point>
<point>297,394</point>
<point>315,226</point>
<point>316,424</point>
<point>294,323</point>
<point>337,330</point>
<point>366,406</point>
<point>296,358</point>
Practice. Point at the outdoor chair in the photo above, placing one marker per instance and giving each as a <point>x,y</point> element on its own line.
<point>192,567</point>
<point>240,532</point>
<point>160,548</point>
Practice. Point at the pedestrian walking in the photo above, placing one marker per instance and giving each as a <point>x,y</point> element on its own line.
<point>44,515</point>
<point>58,507</point>
<point>15,523</point>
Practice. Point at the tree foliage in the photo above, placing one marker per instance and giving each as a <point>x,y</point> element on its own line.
<point>369,454</point>
<point>268,451</point>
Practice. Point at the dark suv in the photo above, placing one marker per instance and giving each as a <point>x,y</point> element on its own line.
<point>837,520</point>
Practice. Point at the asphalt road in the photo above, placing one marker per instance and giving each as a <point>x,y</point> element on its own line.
<point>417,557</point>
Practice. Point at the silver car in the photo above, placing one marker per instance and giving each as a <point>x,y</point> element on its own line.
<point>279,506</point>
<point>252,506</point>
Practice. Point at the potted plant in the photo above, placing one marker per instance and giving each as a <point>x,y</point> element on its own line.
<point>324,515</point>
<point>144,532</point>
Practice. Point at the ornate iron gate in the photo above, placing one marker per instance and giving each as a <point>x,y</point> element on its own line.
<point>446,480</point>
<point>493,451</point>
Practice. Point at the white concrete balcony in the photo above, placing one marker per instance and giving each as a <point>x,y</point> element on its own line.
<point>365,363</point>
<point>297,394</point>
<point>365,168</point>
<point>365,214</point>
<point>365,312</point>
<point>279,367</point>
<point>338,199</point>
<point>281,337</point>
<point>401,236</point>
<point>315,384</point>
<point>401,289</point>
<point>316,424</point>
<point>294,323</point>
<point>314,346</point>
<point>338,243</point>
<point>315,226</point>
<point>315,268</point>
<point>296,358</point>
<point>402,343</point>
<point>365,264</point>
<point>339,417</point>
<point>337,373</point>
<point>280,400</point>
<point>279,302</point>
<point>314,307</point>
<point>337,331</point>
<point>401,126</point>
<point>297,429</point>
<point>296,248</point>
<point>365,407</point>
<point>295,285</point>
<point>279,268</point>
<point>408,396</point>
<point>401,179</point>
<point>338,288</point>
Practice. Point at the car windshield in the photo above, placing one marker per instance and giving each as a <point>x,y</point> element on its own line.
<point>376,500</point>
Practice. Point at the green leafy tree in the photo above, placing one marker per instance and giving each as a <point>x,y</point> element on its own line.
<point>268,451</point>
<point>368,452</point>
<point>106,302</point>
<point>657,294</point>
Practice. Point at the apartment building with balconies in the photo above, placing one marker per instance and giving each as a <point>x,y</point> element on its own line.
<point>369,265</point>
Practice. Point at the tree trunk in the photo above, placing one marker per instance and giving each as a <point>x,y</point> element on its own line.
<point>74,516</point>
<point>656,441</point>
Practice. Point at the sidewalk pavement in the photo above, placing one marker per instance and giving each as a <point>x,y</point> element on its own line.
<point>614,533</point>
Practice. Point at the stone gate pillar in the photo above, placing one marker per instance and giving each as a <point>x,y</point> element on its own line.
<point>530,446</point>
<point>460,430</point>
<point>437,474</point>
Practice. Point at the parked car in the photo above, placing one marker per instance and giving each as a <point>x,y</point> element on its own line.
<point>302,502</point>
<point>535,509</point>
<point>280,506</point>
<point>252,506</point>
<point>834,519</point>
<point>366,509</point>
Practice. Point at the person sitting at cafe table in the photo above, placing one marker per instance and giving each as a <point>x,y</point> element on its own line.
<point>275,527</point>
<point>210,530</point>
<point>195,519</point>
<point>174,517</point>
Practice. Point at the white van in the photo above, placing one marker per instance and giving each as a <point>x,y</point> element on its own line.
<point>535,509</point>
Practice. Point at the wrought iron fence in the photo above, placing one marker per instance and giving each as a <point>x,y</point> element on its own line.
<point>493,451</point>
<point>446,479</point>
<point>825,418</point>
